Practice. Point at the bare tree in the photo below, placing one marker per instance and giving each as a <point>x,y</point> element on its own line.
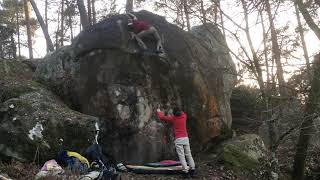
<point>43,26</point>
<point>70,12</point>
<point>89,12</point>
<point>304,46</point>
<point>61,32</point>
<point>27,18</point>
<point>186,12</point>
<point>83,14</point>
<point>94,13</point>
<point>129,6</point>
<point>308,18</point>
<point>58,30</point>
<point>46,12</point>
<point>203,12</point>
<point>46,4</point>
<point>307,127</point>
<point>252,49</point>
<point>18,28</point>
<point>276,52</point>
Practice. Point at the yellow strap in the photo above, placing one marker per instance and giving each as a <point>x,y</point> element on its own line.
<point>77,155</point>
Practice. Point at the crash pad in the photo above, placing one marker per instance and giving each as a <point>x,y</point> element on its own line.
<point>164,163</point>
<point>154,170</point>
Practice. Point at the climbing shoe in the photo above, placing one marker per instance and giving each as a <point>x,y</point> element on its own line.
<point>185,175</point>
<point>192,173</point>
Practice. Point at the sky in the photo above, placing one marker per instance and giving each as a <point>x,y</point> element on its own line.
<point>287,17</point>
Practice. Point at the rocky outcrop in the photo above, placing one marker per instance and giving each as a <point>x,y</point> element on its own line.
<point>246,155</point>
<point>220,59</point>
<point>34,123</point>
<point>100,75</point>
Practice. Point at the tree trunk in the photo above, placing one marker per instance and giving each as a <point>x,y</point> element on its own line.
<point>221,18</point>
<point>62,24</point>
<point>83,14</point>
<point>94,13</point>
<point>307,127</point>
<point>13,47</point>
<point>57,32</point>
<point>43,26</point>
<point>89,12</point>
<point>276,52</point>
<point>265,52</point>
<point>69,20</point>
<point>46,18</point>
<point>308,18</point>
<point>304,46</point>
<point>276,56</point>
<point>129,6</point>
<point>215,11</point>
<point>186,12</point>
<point>71,28</point>
<point>203,12</point>
<point>253,51</point>
<point>27,18</point>
<point>18,29</point>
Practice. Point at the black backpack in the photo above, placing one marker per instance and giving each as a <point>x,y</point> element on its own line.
<point>100,162</point>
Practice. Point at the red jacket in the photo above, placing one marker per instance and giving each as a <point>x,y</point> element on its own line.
<point>178,122</point>
<point>139,26</point>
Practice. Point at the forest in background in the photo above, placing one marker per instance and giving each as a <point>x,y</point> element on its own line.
<point>267,38</point>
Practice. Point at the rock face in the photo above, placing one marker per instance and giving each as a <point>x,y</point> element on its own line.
<point>34,123</point>
<point>100,76</point>
<point>246,155</point>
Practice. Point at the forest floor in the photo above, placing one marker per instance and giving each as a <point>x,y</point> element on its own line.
<point>204,171</point>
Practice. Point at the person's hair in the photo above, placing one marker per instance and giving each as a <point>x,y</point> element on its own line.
<point>176,111</point>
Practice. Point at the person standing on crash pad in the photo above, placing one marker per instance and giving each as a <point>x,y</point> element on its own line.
<point>141,29</point>
<point>178,121</point>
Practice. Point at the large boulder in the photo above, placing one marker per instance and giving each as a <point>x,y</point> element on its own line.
<point>34,123</point>
<point>98,75</point>
<point>246,155</point>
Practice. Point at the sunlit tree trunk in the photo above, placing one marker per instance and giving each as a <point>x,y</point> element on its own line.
<point>43,26</point>
<point>27,18</point>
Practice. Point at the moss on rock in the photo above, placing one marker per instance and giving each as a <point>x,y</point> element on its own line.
<point>247,156</point>
<point>34,123</point>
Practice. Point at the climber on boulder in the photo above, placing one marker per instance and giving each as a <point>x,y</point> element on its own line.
<point>178,121</point>
<point>139,29</point>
